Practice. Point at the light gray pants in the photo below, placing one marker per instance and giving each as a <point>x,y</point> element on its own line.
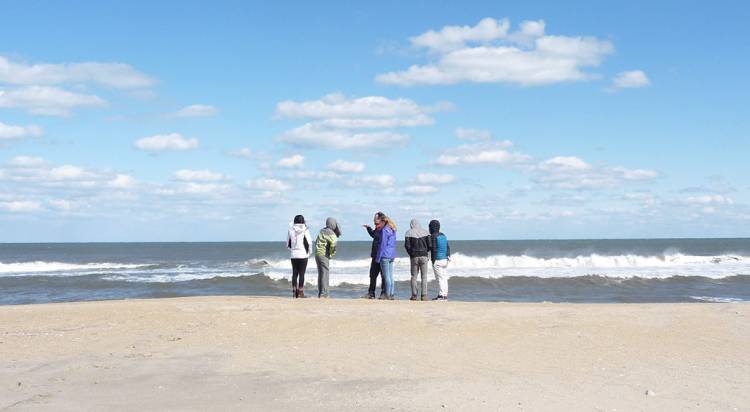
<point>322,263</point>
<point>419,264</point>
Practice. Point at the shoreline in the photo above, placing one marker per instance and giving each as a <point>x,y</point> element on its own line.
<point>238,352</point>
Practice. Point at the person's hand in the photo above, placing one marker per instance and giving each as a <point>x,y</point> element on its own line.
<point>366,226</point>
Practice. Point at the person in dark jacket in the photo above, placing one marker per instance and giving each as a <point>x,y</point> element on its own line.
<point>441,255</point>
<point>417,244</point>
<point>375,234</point>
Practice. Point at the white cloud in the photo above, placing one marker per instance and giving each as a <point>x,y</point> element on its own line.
<point>343,166</point>
<point>244,153</point>
<point>122,181</point>
<point>116,75</point>
<point>188,175</point>
<point>8,131</point>
<point>482,153</point>
<point>47,101</point>
<point>294,161</point>
<point>473,134</point>
<point>488,53</point>
<point>62,204</point>
<point>334,117</point>
<point>435,179</point>
<point>196,110</point>
<point>267,184</point>
<point>27,161</point>
<point>564,163</point>
<point>160,143</point>
<point>311,136</point>
<point>630,79</point>
<point>338,106</point>
<point>379,180</point>
<point>420,189</point>
<point>573,173</point>
<point>21,206</point>
<point>455,37</point>
<point>709,200</point>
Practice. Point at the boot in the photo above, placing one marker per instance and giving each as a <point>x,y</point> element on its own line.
<point>425,297</point>
<point>295,292</point>
<point>300,293</point>
<point>413,297</point>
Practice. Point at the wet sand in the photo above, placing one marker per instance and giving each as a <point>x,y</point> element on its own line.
<point>239,353</point>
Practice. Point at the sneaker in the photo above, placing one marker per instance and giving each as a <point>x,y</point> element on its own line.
<point>383,297</point>
<point>439,297</point>
<point>368,296</point>
<point>391,297</point>
<point>413,297</point>
<point>425,297</point>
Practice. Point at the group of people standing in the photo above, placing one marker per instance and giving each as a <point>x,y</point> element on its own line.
<point>421,246</point>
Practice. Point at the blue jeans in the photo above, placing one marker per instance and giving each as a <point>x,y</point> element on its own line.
<point>386,267</point>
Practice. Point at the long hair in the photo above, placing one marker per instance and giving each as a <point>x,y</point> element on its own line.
<point>387,220</point>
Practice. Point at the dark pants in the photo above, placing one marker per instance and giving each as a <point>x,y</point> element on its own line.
<point>374,272</point>
<point>299,266</point>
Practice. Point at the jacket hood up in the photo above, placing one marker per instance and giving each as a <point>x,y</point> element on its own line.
<point>434,226</point>
<point>333,225</point>
<point>416,230</point>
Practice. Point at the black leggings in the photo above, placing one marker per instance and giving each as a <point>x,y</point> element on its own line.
<point>374,272</point>
<point>299,266</point>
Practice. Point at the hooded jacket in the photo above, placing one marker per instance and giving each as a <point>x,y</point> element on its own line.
<point>298,241</point>
<point>325,243</point>
<point>438,243</point>
<point>417,241</point>
<point>387,247</point>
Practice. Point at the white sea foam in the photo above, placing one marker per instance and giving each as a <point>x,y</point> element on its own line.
<point>24,268</point>
<point>714,299</point>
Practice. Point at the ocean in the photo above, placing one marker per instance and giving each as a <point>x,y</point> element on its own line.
<point>627,270</point>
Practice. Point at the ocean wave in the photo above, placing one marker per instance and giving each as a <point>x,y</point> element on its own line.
<point>22,268</point>
<point>461,261</point>
<point>716,299</point>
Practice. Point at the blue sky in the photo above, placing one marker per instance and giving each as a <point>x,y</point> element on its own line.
<point>186,121</point>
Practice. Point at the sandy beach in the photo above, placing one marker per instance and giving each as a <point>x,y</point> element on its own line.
<point>280,354</point>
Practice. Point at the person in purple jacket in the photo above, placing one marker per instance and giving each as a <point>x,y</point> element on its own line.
<point>386,254</point>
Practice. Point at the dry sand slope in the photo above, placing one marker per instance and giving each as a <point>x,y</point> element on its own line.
<point>279,354</point>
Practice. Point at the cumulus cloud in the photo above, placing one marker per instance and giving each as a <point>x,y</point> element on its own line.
<point>21,206</point>
<point>489,53</point>
<point>47,101</point>
<point>473,134</point>
<point>496,153</point>
<point>122,181</point>
<point>8,131</point>
<point>268,184</point>
<point>334,119</point>
<point>115,75</point>
<point>196,110</point>
<point>569,172</point>
<point>378,180</point>
<point>244,153</point>
<point>292,162</point>
<point>709,200</point>
<point>166,142</point>
<point>630,80</point>
<point>312,136</point>
<point>189,175</point>
<point>343,166</point>
<point>435,179</point>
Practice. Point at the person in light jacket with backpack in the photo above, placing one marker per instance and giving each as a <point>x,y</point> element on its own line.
<point>299,243</point>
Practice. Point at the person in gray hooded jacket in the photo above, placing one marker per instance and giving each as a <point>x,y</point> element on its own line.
<point>325,249</point>
<point>417,244</point>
